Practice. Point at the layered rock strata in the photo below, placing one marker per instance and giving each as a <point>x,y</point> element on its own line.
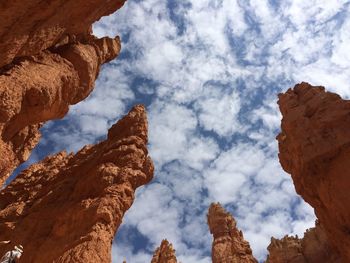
<point>67,208</point>
<point>315,149</point>
<point>165,253</point>
<point>228,245</point>
<point>42,88</point>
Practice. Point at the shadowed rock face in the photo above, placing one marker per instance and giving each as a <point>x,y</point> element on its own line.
<point>312,248</point>
<point>315,149</point>
<point>229,245</point>
<point>164,254</point>
<point>67,208</point>
<point>42,88</point>
<point>28,27</point>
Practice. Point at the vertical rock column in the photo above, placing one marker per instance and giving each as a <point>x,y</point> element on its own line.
<point>229,245</point>
<point>49,60</point>
<point>42,88</point>
<point>67,208</point>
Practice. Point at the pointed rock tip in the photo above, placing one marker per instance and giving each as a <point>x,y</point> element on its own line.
<point>132,124</point>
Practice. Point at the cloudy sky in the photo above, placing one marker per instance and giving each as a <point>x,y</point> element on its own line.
<point>209,72</point>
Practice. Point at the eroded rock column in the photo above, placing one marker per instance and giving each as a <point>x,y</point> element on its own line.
<point>229,245</point>
<point>48,61</point>
<point>67,208</point>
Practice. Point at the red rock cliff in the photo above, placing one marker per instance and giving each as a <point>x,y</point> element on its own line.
<point>165,253</point>
<point>28,27</point>
<point>312,248</point>
<point>315,149</point>
<point>48,61</point>
<point>229,245</point>
<point>67,208</point>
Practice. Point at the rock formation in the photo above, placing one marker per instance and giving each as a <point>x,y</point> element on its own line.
<point>28,27</point>
<point>312,248</point>
<point>41,88</point>
<point>315,149</point>
<point>229,245</point>
<point>48,61</point>
<point>164,254</point>
<point>67,208</point>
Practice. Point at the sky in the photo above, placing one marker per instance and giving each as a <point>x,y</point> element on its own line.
<point>209,72</point>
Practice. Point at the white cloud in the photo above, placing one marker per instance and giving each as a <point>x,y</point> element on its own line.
<point>218,111</point>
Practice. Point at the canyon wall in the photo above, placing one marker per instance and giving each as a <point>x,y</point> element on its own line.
<point>67,208</point>
<point>28,27</point>
<point>48,61</point>
<point>312,248</point>
<point>314,148</point>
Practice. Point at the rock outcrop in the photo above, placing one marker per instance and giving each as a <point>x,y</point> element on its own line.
<point>48,61</point>
<point>312,248</point>
<point>28,27</point>
<point>165,253</point>
<point>42,88</point>
<point>315,149</point>
<point>229,245</point>
<point>67,208</point>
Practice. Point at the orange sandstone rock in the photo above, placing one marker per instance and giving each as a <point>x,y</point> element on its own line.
<point>48,61</point>
<point>312,248</point>
<point>28,27</point>
<point>314,148</point>
<point>165,253</point>
<point>41,88</point>
<point>229,245</point>
<point>67,208</point>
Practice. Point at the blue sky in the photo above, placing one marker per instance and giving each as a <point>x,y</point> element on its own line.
<point>209,72</point>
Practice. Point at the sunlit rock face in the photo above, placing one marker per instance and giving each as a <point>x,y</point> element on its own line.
<point>164,253</point>
<point>48,61</point>
<point>42,88</point>
<point>67,208</point>
<point>28,27</point>
<point>315,149</point>
<point>229,245</point>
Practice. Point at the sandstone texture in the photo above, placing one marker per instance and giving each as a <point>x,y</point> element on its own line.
<point>315,149</point>
<point>312,248</point>
<point>67,208</point>
<point>28,27</point>
<point>229,245</point>
<point>42,88</point>
<point>164,254</point>
<point>48,61</point>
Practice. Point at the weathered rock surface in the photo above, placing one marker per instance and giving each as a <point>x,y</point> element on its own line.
<point>315,149</point>
<point>67,208</point>
<point>312,248</point>
<point>48,61</point>
<point>165,253</point>
<point>28,27</point>
<point>41,88</point>
<point>229,245</point>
